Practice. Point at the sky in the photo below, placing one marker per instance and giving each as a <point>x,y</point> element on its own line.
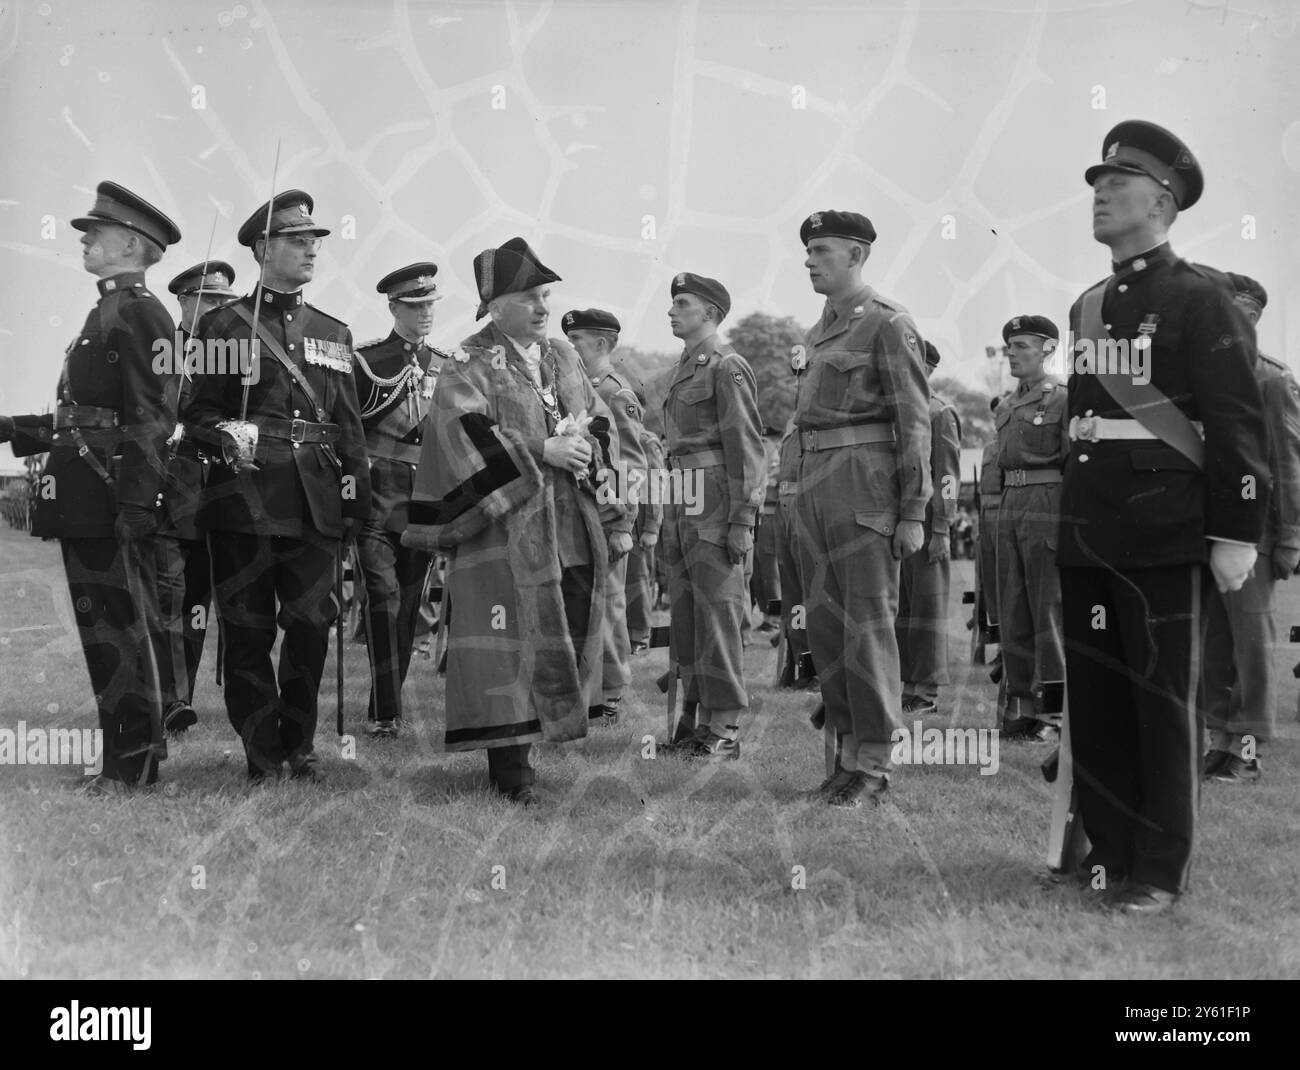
<point>629,141</point>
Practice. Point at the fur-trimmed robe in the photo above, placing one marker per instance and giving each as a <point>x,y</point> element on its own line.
<point>483,492</point>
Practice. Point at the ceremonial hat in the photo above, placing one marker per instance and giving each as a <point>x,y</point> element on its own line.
<point>215,277</point>
<point>290,214</point>
<point>117,204</point>
<point>1142,148</point>
<point>590,319</point>
<point>412,285</point>
<point>1245,286</point>
<point>931,355</point>
<point>706,289</point>
<point>1039,325</point>
<point>836,224</point>
<point>509,269</point>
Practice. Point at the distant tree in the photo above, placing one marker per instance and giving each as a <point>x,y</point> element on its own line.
<point>972,407</point>
<point>766,342</point>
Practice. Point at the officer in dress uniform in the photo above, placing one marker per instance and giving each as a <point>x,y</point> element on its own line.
<point>715,442</point>
<point>1033,442</point>
<point>275,525</point>
<point>863,412</point>
<point>1238,678</point>
<point>1167,469</point>
<point>395,377</point>
<point>924,578</point>
<point>593,332</point>
<point>102,484</point>
<point>184,567</point>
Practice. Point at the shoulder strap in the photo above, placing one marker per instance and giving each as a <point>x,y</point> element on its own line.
<point>278,352</point>
<point>1145,402</point>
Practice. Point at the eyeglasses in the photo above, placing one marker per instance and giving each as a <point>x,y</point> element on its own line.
<point>300,241</point>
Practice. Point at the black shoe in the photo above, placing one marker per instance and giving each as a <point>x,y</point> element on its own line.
<point>685,737</point>
<point>713,748</point>
<point>605,714</point>
<point>1212,762</point>
<point>919,705</point>
<point>1143,900</point>
<point>523,795</point>
<point>384,730</point>
<point>308,768</point>
<point>179,716</point>
<point>832,784</point>
<point>1025,730</point>
<point>860,787</point>
<point>1236,770</point>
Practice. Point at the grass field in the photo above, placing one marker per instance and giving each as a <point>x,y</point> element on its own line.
<point>404,865</point>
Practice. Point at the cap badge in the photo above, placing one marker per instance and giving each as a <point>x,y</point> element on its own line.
<point>798,358</point>
<point>302,208</point>
<point>1114,148</point>
<point>815,221</point>
<point>681,279</point>
<point>1015,324</point>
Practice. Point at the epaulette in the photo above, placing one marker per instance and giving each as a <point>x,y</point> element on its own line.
<point>326,315</point>
<point>371,343</point>
<point>444,354</point>
<point>1274,363</point>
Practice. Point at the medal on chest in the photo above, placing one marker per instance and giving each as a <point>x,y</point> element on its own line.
<point>1146,330</point>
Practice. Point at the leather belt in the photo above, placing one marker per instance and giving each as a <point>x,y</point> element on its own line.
<point>102,437</point>
<point>1029,477</point>
<point>1103,428</point>
<point>829,438</point>
<point>390,449</point>
<point>84,417</point>
<point>298,430</point>
<point>700,459</point>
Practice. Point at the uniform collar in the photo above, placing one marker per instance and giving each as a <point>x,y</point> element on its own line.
<point>125,281</point>
<point>705,346</point>
<point>403,346</point>
<point>852,304</point>
<point>1160,254</point>
<point>276,299</point>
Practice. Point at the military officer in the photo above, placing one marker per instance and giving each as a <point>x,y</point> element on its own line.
<point>1167,469</point>
<point>1033,442</point>
<point>275,524</point>
<point>395,377</point>
<point>593,333</point>
<point>715,441</point>
<point>184,567</point>
<point>1238,679</point>
<point>641,559</point>
<point>863,414</point>
<point>924,578</point>
<point>102,484</point>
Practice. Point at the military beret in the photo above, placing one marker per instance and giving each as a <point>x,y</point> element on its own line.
<point>290,214</point>
<point>1245,286</point>
<point>412,285</point>
<point>994,402</point>
<point>1039,325</point>
<point>931,355</point>
<point>1142,148</point>
<point>706,289</point>
<point>212,277</point>
<point>510,268</point>
<point>590,319</point>
<point>117,204</point>
<point>835,224</point>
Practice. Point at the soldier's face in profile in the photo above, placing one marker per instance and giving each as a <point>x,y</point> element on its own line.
<point>194,307</point>
<point>290,260</point>
<point>524,315</point>
<point>414,319</point>
<point>686,316</point>
<point>1122,203</point>
<point>1025,355</point>
<point>832,264</point>
<point>588,345</point>
<point>104,248</point>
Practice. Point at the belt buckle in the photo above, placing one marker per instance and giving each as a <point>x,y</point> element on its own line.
<point>298,431</point>
<point>1016,477</point>
<point>809,441</point>
<point>1085,429</point>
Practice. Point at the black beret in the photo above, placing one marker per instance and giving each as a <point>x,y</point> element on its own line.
<point>704,288</point>
<point>511,268</point>
<point>1039,325</point>
<point>836,224</point>
<point>412,285</point>
<point>590,319</point>
<point>931,355</point>
<point>290,214</point>
<point>1142,148</point>
<point>117,204</point>
<point>214,277</point>
<point>1245,286</point>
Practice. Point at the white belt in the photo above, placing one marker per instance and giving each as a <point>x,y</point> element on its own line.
<point>1102,428</point>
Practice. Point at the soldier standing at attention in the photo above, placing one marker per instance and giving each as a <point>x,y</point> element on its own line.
<point>1238,680</point>
<point>107,440</point>
<point>1167,470</point>
<point>715,439</point>
<point>924,578</point>
<point>1033,442</point>
<point>275,526</point>
<point>863,415</point>
<point>184,567</point>
<point>395,378</point>
<point>594,334</point>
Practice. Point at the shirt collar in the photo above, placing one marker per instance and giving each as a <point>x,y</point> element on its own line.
<point>1158,254</point>
<point>125,281</point>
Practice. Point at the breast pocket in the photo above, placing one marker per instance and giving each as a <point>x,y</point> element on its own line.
<point>841,374</point>
<point>1039,438</point>
<point>694,407</point>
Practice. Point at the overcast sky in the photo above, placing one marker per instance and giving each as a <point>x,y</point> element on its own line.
<point>628,141</point>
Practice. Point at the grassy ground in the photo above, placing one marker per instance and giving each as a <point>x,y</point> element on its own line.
<point>631,868</point>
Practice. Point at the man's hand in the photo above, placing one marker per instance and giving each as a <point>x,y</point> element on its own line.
<point>1285,559</point>
<point>568,452</point>
<point>620,545</point>
<point>6,428</point>
<point>1231,563</point>
<point>135,522</point>
<point>907,538</point>
<point>649,540</point>
<point>740,540</point>
<point>939,548</point>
